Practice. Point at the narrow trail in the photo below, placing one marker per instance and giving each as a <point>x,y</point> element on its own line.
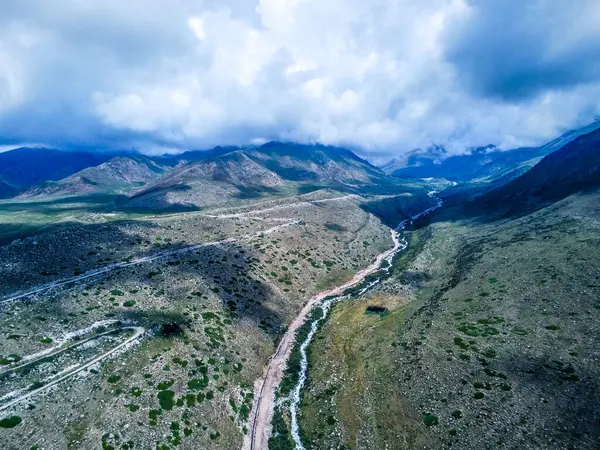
<point>265,388</point>
<point>265,393</point>
<point>251,215</point>
<point>137,261</point>
<point>139,331</point>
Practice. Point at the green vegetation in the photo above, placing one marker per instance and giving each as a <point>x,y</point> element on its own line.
<point>280,438</point>
<point>166,399</point>
<point>430,419</point>
<point>10,422</point>
<point>114,378</point>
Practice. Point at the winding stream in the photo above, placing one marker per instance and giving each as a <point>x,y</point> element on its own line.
<point>326,304</point>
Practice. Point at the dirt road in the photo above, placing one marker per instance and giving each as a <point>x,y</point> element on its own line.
<point>264,393</point>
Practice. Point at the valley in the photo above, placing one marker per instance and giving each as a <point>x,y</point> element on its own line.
<point>203,298</point>
<point>329,306</point>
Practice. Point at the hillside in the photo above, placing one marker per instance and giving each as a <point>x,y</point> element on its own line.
<point>482,164</point>
<point>6,190</point>
<point>572,168</point>
<point>252,172</point>
<point>484,333</point>
<point>487,337</point>
<point>25,167</point>
<point>122,175</point>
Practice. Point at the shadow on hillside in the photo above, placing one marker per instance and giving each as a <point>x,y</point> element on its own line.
<point>225,269</point>
<point>574,393</point>
<point>481,206</point>
<point>393,210</point>
<point>255,192</point>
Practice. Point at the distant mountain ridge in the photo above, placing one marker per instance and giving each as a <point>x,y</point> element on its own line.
<point>481,164</point>
<point>122,174</point>
<point>25,167</point>
<point>573,168</point>
<point>246,172</point>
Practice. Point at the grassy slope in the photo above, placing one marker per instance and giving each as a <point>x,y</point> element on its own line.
<point>505,310</point>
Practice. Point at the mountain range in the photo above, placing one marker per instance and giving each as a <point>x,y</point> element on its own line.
<point>487,164</point>
<point>193,178</point>
<point>201,178</point>
<point>573,168</point>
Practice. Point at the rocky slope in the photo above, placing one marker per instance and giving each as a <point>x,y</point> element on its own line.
<point>122,174</point>
<point>25,167</point>
<point>252,172</point>
<point>482,164</point>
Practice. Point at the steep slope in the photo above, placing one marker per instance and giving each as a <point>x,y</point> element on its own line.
<point>315,163</point>
<point>24,167</point>
<point>6,190</point>
<point>251,172</point>
<point>211,181</point>
<point>482,164</point>
<point>122,174</point>
<point>574,167</point>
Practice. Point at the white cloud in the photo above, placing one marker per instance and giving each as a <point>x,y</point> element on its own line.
<point>380,75</point>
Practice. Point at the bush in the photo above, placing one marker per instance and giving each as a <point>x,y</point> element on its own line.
<point>430,419</point>
<point>10,422</point>
<point>113,378</point>
<point>129,303</point>
<point>166,399</point>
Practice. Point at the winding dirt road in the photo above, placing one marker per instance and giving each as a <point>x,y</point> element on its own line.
<point>265,388</point>
<point>264,392</point>
<point>139,331</point>
<point>164,254</point>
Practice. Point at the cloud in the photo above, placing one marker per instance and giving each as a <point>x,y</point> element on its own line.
<point>382,77</point>
<point>516,50</point>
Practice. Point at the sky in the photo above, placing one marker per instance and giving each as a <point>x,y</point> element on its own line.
<point>380,76</point>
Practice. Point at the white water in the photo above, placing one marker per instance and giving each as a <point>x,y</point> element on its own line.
<point>326,306</point>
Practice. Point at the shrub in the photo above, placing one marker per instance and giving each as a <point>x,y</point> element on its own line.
<point>430,419</point>
<point>166,399</point>
<point>114,378</point>
<point>10,422</point>
<point>129,303</point>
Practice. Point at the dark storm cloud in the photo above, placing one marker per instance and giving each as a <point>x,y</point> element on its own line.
<point>381,76</point>
<point>516,50</point>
